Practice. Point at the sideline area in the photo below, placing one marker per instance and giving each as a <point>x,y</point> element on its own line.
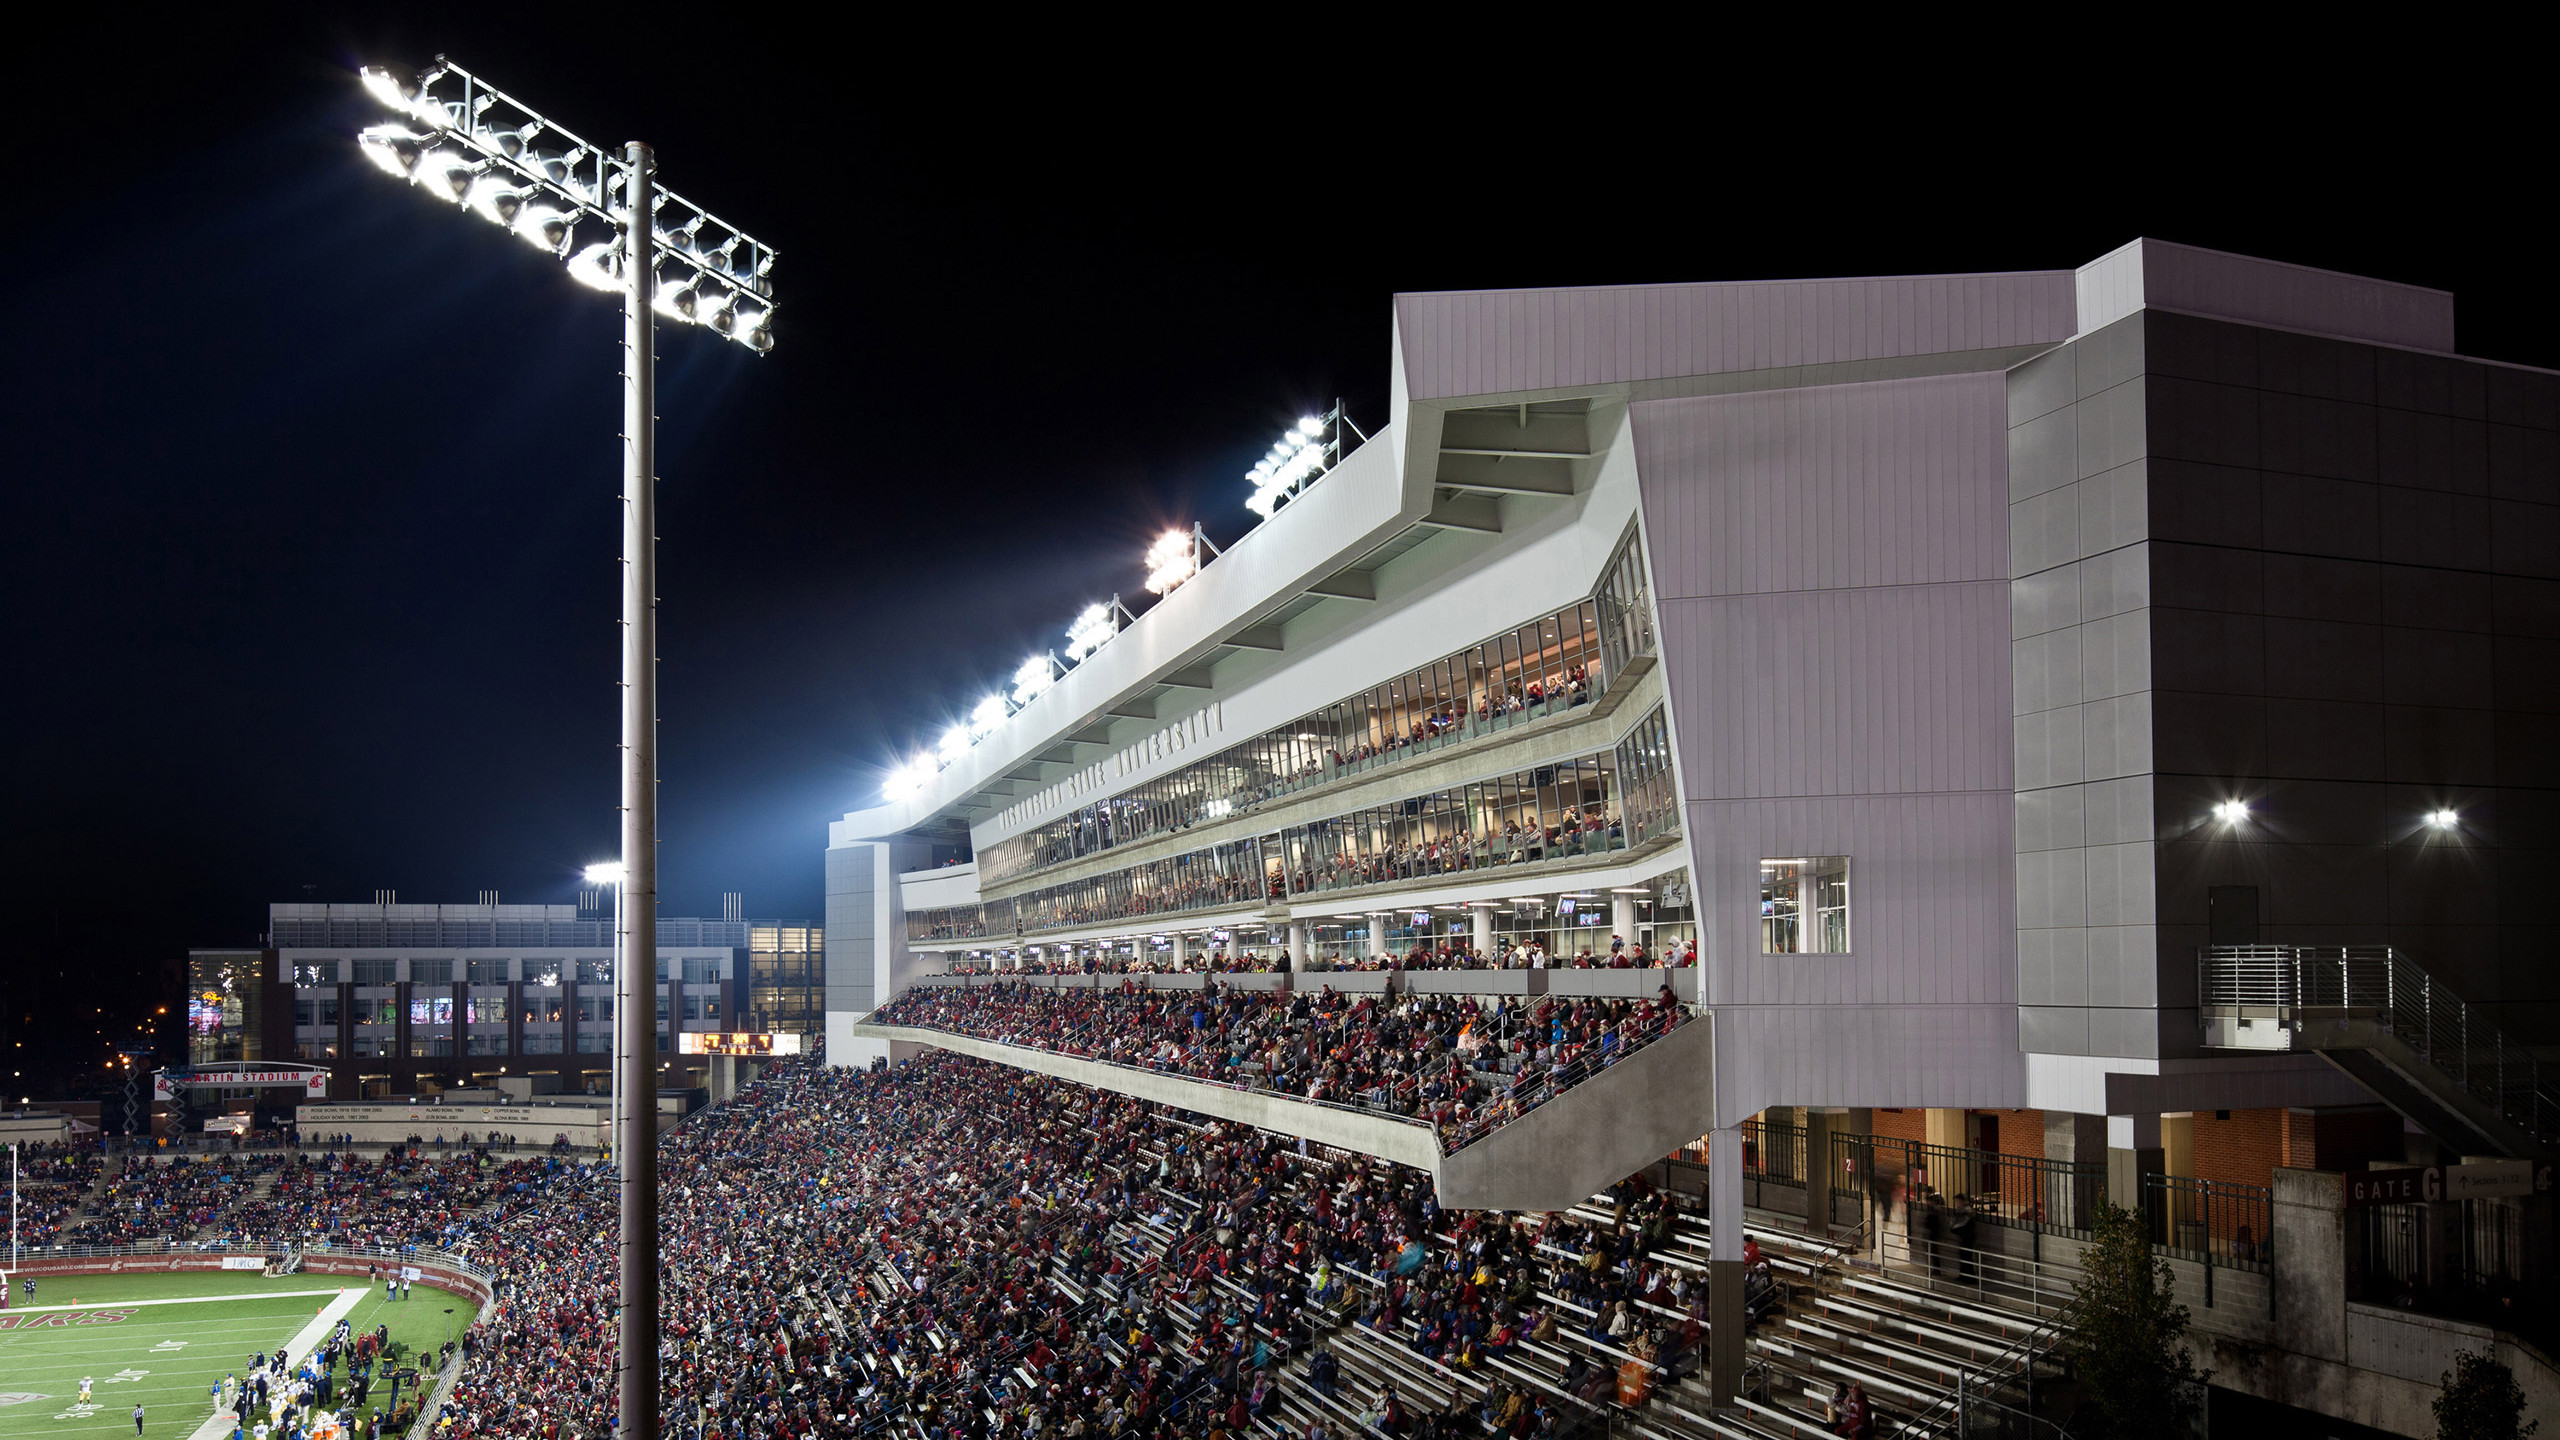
<point>304,1341</point>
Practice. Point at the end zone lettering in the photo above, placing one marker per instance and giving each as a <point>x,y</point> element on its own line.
<point>91,1317</point>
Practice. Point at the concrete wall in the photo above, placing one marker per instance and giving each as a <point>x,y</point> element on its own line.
<point>587,1126</point>
<point>1405,1143</point>
<point>452,1278</point>
<point>868,959</point>
<point>32,1127</point>
<point>2369,1364</point>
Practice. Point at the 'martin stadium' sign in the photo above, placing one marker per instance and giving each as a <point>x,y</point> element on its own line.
<point>312,1080</point>
<point>735,1042</point>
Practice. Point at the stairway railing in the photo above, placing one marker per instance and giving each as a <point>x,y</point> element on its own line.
<point>2456,1038</point>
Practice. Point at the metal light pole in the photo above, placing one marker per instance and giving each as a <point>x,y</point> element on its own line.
<point>637,900</point>
<point>480,152</point>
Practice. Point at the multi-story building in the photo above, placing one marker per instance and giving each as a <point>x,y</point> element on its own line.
<point>393,998</point>
<point>2082,717</point>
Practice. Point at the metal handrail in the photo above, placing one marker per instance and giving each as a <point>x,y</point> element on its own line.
<point>2381,984</point>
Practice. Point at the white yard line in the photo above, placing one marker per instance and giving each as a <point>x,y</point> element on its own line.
<point>186,1300</point>
<point>303,1343</point>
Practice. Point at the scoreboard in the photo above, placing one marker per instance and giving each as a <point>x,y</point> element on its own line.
<point>735,1042</point>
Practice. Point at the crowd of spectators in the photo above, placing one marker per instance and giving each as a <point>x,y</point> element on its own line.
<point>1466,1064</point>
<point>1446,955</point>
<point>954,1250</point>
<point>163,1201</point>
<point>54,1180</point>
<point>404,1199</point>
<point>1587,832</point>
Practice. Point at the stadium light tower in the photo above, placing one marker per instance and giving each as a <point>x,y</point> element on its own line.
<point>483,150</point>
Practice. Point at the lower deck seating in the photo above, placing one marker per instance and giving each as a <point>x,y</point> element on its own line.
<point>958,1249</point>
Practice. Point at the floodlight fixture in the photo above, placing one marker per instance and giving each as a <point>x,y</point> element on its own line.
<point>2232,812</point>
<point>906,780</point>
<point>1035,675</point>
<point>395,148</point>
<point>2443,819</point>
<point>1303,453</point>
<point>987,718</point>
<point>548,226</point>
<point>1096,624</point>
<point>605,872</point>
<point>597,267</point>
<point>468,142</point>
<point>1176,556</point>
<point>1170,561</point>
<point>495,199</point>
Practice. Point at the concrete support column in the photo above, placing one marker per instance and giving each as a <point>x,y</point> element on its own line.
<point>2178,1145</point>
<point>2133,1151</point>
<point>2310,1262</point>
<point>1819,1174</point>
<point>2080,1140</point>
<point>1622,918</point>
<point>1948,1128</point>
<point>1724,1268</point>
<point>1483,930</point>
<point>1298,945</point>
<point>724,1078</point>
<point>1377,936</point>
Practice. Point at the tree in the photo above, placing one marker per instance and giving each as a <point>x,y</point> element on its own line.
<point>2125,1341</point>
<point>2481,1401</point>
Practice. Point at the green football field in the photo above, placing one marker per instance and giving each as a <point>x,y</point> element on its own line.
<point>163,1341</point>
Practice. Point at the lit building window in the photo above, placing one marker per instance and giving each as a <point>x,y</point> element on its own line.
<point>1804,906</point>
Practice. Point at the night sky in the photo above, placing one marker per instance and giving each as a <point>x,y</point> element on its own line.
<point>310,520</point>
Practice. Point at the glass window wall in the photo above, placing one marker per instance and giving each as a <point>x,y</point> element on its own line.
<point>1543,668</point>
<point>1804,906</point>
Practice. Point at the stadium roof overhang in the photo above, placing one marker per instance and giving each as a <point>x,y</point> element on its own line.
<point>1502,405</point>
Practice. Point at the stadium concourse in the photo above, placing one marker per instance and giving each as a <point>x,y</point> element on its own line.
<point>953,1248</point>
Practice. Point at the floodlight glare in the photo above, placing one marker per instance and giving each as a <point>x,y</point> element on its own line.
<point>2443,819</point>
<point>1035,675</point>
<point>673,299</point>
<point>495,199</point>
<point>712,306</point>
<point>1088,632</point>
<point>395,148</point>
<point>548,226</point>
<point>953,744</point>
<point>408,93</point>
<point>989,715</point>
<point>2231,812</point>
<point>605,872</point>
<point>445,173</point>
<point>1171,560</point>
<point>1301,454</point>
<point>597,267</point>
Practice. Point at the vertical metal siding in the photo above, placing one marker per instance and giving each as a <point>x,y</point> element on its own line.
<point>1831,567</point>
<point>1501,341</point>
